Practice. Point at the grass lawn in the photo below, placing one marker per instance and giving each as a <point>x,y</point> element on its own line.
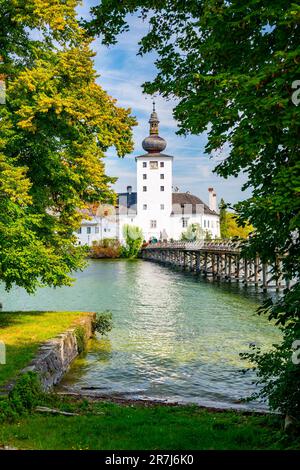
<point>23,332</point>
<point>113,426</point>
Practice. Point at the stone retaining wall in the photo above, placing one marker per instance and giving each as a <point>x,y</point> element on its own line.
<point>55,356</point>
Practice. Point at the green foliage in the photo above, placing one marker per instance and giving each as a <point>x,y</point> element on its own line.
<point>103,323</point>
<point>232,66</point>
<point>26,392</point>
<point>80,339</point>
<point>56,127</point>
<point>133,241</point>
<point>194,232</point>
<point>24,396</point>
<point>7,411</point>
<point>278,375</point>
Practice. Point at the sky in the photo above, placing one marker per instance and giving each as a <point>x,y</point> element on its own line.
<point>122,73</point>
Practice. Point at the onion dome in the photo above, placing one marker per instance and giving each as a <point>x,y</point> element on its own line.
<point>154,143</point>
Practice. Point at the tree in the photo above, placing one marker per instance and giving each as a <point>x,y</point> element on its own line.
<point>133,241</point>
<point>233,68</point>
<point>56,125</point>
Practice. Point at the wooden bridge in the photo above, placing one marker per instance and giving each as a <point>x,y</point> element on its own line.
<point>217,259</point>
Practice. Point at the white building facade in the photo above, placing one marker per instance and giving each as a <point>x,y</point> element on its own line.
<point>161,213</point>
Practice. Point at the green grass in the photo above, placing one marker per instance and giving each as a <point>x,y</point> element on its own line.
<point>23,332</point>
<point>113,426</point>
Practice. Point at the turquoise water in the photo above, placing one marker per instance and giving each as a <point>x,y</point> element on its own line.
<point>175,337</point>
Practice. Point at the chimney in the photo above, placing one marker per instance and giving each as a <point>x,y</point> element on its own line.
<point>129,189</point>
<point>212,199</point>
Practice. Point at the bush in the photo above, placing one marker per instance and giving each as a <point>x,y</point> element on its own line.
<point>26,392</point>
<point>7,411</point>
<point>133,241</point>
<point>103,323</point>
<point>25,396</point>
<point>106,248</point>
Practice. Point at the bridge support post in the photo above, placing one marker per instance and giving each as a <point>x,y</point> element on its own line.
<point>237,269</point>
<point>191,261</point>
<point>198,262</point>
<point>229,268</point>
<point>219,264</point>
<point>205,264</point>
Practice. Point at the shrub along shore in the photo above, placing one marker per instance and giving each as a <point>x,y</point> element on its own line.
<point>98,424</point>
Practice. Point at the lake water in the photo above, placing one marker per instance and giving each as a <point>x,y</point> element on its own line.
<point>175,336</point>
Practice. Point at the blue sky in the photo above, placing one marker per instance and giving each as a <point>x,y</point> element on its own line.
<point>122,73</point>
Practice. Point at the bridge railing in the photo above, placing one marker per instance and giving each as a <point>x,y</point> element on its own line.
<point>222,245</point>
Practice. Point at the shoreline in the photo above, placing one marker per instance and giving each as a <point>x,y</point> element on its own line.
<point>147,403</point>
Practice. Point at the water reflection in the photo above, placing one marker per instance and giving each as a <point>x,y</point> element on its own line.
<point>175,337</point>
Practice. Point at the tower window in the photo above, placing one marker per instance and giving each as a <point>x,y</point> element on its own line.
<point>96,229</point>
<point>144,188</point>
<point>144,176</point>
<point>79,231</point>
<point>144,164</point>
<point>162,176</point>
<point>162,206</point>
<point>185,222</point>
<point>88,229</point>
<point>153,165</point>
<point>162,188</point>
<point>162,164</point>
<point>153,223</point>
<point>144,207</point>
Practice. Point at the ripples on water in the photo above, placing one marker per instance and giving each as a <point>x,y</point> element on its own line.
<point>175,337</point>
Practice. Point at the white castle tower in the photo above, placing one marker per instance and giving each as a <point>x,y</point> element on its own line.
<point>154,185</point>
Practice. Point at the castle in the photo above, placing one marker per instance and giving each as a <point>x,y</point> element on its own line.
<point>161,213</point>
